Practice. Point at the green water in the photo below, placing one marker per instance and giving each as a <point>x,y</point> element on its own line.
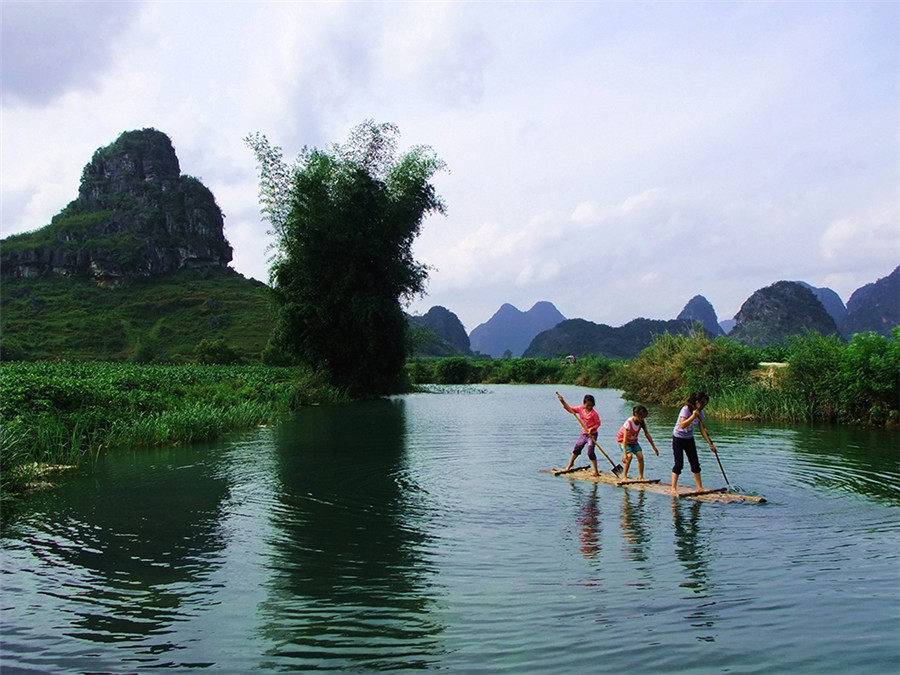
<point>419,534</point>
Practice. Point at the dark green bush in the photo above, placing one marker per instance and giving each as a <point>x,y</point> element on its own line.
<point>455,370</point>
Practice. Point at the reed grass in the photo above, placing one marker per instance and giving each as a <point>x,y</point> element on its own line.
<point>755,402</point>
<point>60,413</point>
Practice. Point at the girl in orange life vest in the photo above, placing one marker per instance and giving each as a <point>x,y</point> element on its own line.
<point>628,439</point>
<point>590,422</point>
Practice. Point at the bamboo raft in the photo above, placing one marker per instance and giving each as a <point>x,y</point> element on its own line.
<point>654,485</point>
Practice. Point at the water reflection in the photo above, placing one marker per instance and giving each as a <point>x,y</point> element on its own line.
<point>858,460</point>
<point>633,529</point>
<point>692,551</point>
<point>590,529</point>
<point>351,555</point>
<point>689,548</point>
<point>121,562</point>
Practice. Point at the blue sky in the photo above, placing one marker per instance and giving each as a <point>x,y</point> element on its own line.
<point>615,159</point>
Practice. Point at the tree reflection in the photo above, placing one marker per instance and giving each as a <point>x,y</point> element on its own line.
<point>352,578</point>
<point>126,549</point>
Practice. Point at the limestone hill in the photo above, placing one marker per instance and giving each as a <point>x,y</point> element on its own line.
<point>136,267</point>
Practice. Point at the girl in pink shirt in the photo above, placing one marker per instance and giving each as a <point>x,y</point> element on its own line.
<point>590,422</point>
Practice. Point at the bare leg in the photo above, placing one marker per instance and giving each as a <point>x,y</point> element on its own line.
<point>626,462</point>
<point>594,464</point>
<point>571,462</point>
<point>699,482</point>
<point>674,483</point>
<point>640,457</point>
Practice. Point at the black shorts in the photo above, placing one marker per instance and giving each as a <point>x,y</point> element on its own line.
<point>682,447</point>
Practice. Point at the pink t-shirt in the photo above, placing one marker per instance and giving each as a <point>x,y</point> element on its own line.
<point>589,419</point>
<point>630,428</point>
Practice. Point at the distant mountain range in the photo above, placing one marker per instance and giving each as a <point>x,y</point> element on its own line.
<point>768,317</point>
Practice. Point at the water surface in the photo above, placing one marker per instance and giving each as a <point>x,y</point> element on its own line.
<point>417,533</point>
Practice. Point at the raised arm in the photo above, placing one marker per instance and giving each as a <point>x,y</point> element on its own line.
<point>564,404</point>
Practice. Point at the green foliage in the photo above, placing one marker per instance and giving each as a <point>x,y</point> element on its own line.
<point>826,379</point>
<point>588,372</point>
<point>455,370</point>
<point>215,351</point>
<point>871,377</point>
<point>674,365</point>
<point>344,225</point>
<point>159,320</point>
<point>58,412</point>
<point>857,381</point>
<point>814,368</point>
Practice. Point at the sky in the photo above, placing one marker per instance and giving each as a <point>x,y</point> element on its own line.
<point>613,158</point>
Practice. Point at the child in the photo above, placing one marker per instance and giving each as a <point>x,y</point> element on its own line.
<point>628,439</point>
<point>683,443</point>
<point>590,422</point>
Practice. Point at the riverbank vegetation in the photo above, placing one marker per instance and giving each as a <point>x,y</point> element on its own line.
<point>810,379</point>
<point>58,414</point>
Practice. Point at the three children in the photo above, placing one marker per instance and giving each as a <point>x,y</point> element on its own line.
<point>690,417</point>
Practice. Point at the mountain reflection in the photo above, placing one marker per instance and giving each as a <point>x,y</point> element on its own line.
<point>351,579</point>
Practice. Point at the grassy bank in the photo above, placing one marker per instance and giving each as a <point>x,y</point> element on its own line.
<point>55,414</point>
<point>819,379</point>
<point>590,371</point>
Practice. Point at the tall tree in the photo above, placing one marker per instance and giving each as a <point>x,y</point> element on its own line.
<point>344,222</point>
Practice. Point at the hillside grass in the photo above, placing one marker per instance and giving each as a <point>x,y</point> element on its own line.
<point>158,320</point>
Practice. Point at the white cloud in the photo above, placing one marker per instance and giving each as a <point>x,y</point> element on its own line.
<point>872,234</point>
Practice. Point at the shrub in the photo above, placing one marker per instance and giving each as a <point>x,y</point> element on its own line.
<point>456,370</point>
<point>215,352</point>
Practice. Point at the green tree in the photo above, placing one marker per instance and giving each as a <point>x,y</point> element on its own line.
<point>344,222</point>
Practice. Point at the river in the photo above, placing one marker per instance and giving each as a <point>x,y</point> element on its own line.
<point>418,533</point>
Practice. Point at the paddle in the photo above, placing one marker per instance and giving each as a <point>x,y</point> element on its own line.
<point>721,469</point>
<point>617,468</point>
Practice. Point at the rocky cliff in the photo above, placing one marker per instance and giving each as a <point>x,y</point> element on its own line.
<point>580,337</point>
<point>778,311</point>
<point>874,307</point>
<point>830,300</point>
<point>136,215</point>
